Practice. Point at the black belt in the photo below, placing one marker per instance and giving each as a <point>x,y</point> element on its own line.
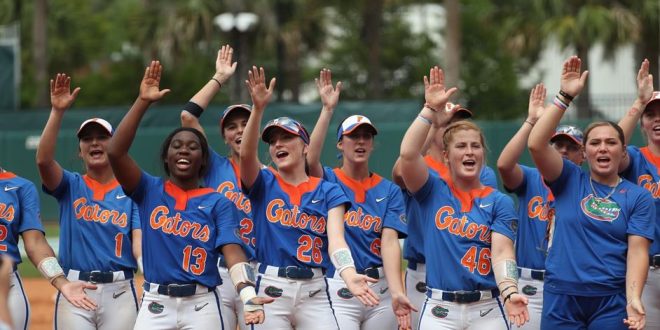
<point>102,277</point>
<point>292,272</point>
<point>222,262</point>
<point>371,272</point>
<point>654,261</point>
<point>465,297</point>
<point>538,275</point>
<point>412,264</point>
<point>176,290</point>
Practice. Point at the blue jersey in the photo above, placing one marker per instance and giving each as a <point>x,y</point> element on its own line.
<point>458,227</point>
<point>535,209</point>
<point>376,203</point>
<point>413,247</point>
<point>183,231</point>
<point>19,212</point>
<point>644,169</point>
<point>96,221</point>
<point>290,221</point>
<point>590,240</point>
<point>223,176</point>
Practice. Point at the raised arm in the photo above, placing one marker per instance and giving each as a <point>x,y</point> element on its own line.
<point>411,161</point>
<point>547,159</point>
<point>261,95</point>
<point>61,99</point>
<point>507,164</point>
<point>329,99</point>
<point>126,170</point>
<point>644,93</point>
<point>224,69</point>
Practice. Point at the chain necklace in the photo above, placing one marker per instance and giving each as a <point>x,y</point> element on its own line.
<point>609,194</point>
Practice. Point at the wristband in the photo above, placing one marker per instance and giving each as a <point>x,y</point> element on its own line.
<point>218,81</point>
<point>248,293</point>
<point>428,106</point>
<point>242,272</point>
<point>566,96</point>
<point>193,108</point>
<point>424,119</point>
<point>50,269</point>
<point>529,122</point>
<point>140,265</point>
<point>559,103</point>
<point>509,296</point>
<point>342,259</point>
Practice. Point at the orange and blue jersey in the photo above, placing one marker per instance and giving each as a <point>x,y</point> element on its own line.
<point>644,169</point>
<point>183,231</point>
<point>413,247</point>
<point>535,210</point>
<point>224,176</point>
<point>96,221</point>
<point>290,221</point>
<point>376,203</point>
<point>458,230</point>
<point>590,240</point>
<point>19,212</point>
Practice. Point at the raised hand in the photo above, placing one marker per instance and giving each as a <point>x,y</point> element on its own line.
<point>536,103</point>
<point>636,315</point>
<point>61,96</point>
<point>572,81</point>
<point>516,309</point>
<point>644,83</point>
<point>435,93</point>
<point>224,68</point>
<point>402,308</point>
<point>74,292</point>
<point>256,85</point>
<point>257,316</point>
<point>358,284</point>
<point>329,94</point>
<point>150,86</point>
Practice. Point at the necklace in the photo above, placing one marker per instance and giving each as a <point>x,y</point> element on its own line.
<point>591,183</point>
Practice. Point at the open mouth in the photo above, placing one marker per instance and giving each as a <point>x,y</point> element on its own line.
<point>281,154</point>
<point>656,128</point>
<point>96,153</point>
<point>183,164</point>
<point>470,163</point>
<point>603,160</point>
<point>360,151</point>
<point>238,141</point>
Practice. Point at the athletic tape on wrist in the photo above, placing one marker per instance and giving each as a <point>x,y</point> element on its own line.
<point>342,259</point>
<point>193,108</point>
<point>242,272</point>
<point>50,268</point>
<point>248,293</point>
<point>140,265</point>
<point>506,274</point>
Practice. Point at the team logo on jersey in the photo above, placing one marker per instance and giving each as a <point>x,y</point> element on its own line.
<point>540,209</point>
<point>421,287</point>
<point>646,181</point>
<point>155,308</point>
<point>175,225</point>
<point>228,189</point>
<point>272,291</point>
<point>599,208</point>
<point>367,222</point>
<point>276,211</point>
<point>462,226</point>
<point>94,213</point>
<point>529,290</point>
<point>344,293</point>
<point>440,312</point>
<point>6,212</point>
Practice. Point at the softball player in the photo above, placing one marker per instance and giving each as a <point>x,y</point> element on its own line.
<point>641,166</point>
<point>298,223</point>
<point>603,225</point>
<point>373,224</point>
<point>222,174</point>
<point>465,220</point>
<point>535,201</point>
<point>98,224</point>
<point>413,247</point>
<point>185,227</point>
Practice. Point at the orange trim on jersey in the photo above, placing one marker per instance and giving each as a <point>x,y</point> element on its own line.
<point>466,198</point>
<point>7,175</point>
<point>182,196</point>
<point>437,166</point>
<point>237,171</point>
<point>99,189</point>
<point>653,159</point>
<point>359,188</point>
<point>295,192</point>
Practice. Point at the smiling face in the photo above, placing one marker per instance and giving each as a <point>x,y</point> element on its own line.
<point>93,142</point>
<point>287,150</point>
<point>357,146</point>
<point>464,153</point>
<point>651,123</point>
<point>232,130</point>
<point>604,150</point>
<point>185,157</point>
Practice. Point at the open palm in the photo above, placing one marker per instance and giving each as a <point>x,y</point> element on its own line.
<point>150,86</point>
<point>61,96</point>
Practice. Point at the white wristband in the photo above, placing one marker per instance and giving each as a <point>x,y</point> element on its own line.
<point>50,268</point>
<point>248,293</point>
<point>140,265</point>
<point>242,272</point>
<point>506,275</point>
<point>342,259</point>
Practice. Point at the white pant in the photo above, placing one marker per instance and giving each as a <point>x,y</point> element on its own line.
<point>299,304</point>
<point>651,299</point>
<point>199,311</point>
<point>19,307</point>
<point>232,306</point>
<point>533,290</point>
<point>353,315</point>
<point>117,308</point>
<point>485,314</point>
<point>416,291</point>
